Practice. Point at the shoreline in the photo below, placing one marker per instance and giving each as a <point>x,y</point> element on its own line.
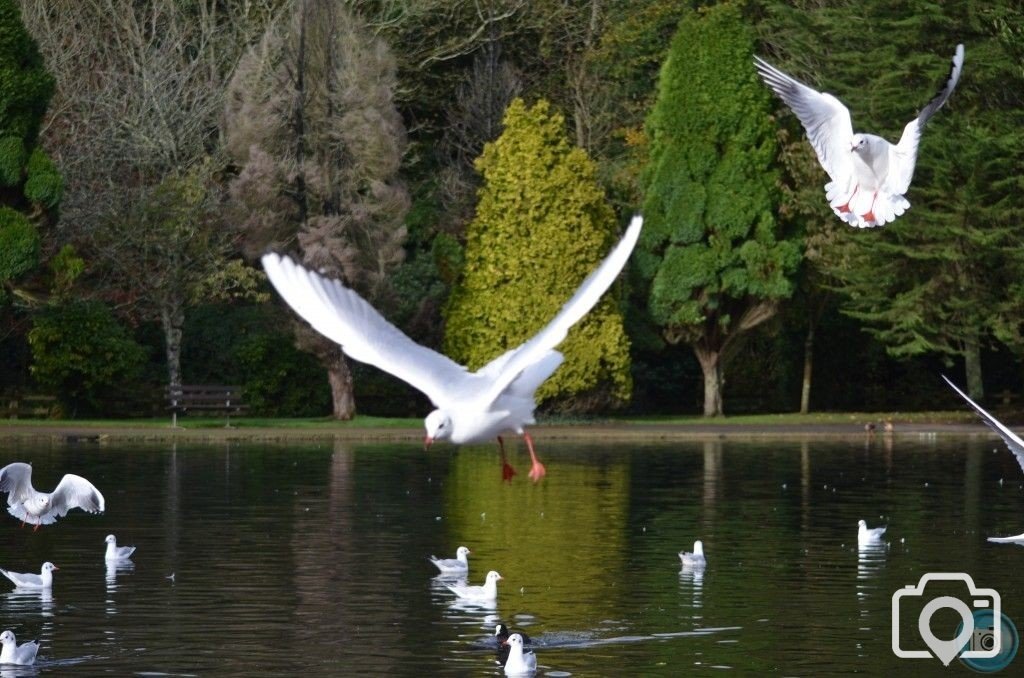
<point>583,432</point>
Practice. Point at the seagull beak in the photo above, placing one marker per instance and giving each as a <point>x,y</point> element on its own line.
<point>55,567</point>
<point>427,442</point>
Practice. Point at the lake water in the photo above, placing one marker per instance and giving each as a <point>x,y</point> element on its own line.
<point>311,559</point>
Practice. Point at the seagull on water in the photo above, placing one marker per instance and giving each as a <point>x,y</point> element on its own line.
<point>502,634</point>
<point>30,580</point>
<point>869,535</point>
<point>43,508</point>
<point>869,175</point>
<point>519,662</point>
<point>459,565</point>
<point>1012,440</point>
<point>115,552</point>
<point>472,407</point>
<point>12,653</point>
<point>487,592</point>
<point>695,559</point>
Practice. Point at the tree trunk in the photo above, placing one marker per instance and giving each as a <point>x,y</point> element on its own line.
<point>172,318</point>
<point>805,390</point>
<point>972,365</point>
<point>342,394</point>
<point>711,365</point>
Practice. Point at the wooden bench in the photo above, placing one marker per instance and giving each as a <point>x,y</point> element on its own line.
<point>214,398</point>
<point>17,405</point>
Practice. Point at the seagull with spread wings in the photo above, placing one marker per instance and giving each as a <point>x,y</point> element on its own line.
<point>43,508</point>
<point>869,175</point>
<point>471,406</point>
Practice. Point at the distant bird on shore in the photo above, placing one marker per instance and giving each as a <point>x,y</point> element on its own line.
<point>472,407</point>
<point>457,566</point>
<point>696,558</point>
<point>30,580</point>
<point>43,508</point>
<point>869,535</point>
<point>869,175</point>
<point>115,552</point>
<point>12,653</point>
<point>487,592</point>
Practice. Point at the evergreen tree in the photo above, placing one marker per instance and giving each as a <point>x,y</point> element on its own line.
<point>30,186</point>
<point>542,225</point>
<point>712,257</point>
<point>939,279</point>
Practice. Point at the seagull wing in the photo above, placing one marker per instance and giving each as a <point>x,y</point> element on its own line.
<point>363,334</point>
<point>538,348</point>
<point>825,118</point>
<point>75,492</point>
<point>1011,439</point>
<point>903,156</point>
<point>16,480</point>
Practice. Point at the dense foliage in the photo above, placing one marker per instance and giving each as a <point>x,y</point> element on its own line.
<point>542,225</point>
<point>180,143</point>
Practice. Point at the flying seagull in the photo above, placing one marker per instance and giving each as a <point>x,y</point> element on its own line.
<point>869,175</point>
<point>471,406</point>
<point>1012,440</point>
<point>43,508</point>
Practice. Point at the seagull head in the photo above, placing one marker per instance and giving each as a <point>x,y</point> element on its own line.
<point>6,637</point>
<point>439,427</point>
<point>515,639</point>
<point>462,551</point>
<point>862,524</point>
<point>110,539</point>
<point>698,548</point>
<point>49,567</point>
<point>493,576</point>
<point>859,143</point>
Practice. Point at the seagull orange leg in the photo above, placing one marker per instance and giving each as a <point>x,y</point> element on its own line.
<point>506,469</point>
<point>537,471</point>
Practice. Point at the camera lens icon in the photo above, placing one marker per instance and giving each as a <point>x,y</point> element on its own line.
<point>979,638</point>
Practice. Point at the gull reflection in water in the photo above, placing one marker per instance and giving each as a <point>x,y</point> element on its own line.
<point>30,600</point>
<point>115,568</point>
<point>692,577</point>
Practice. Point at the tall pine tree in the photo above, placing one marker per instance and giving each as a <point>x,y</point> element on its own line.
<point>712,258</point>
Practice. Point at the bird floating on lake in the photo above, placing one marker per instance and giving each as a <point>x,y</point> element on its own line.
<point>869,535</point>
<point>115,552</point>
<point>487,592</point>
<point>471,406</point>
<point>695,559</point>
<point>43,508</point>
<point>30,580</point>
<point>502,634</point>
<point>869,175</point>
<point>519,661</point>
<point>459,565</point>
<point>12,653</point>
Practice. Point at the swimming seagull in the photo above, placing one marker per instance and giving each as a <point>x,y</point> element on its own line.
<point>30,580</point>
<point>459,565</point>
<point>1012,440</point>
<point>502,634</point>
<point>471,406</point>
<point>12,653</point>
<point>489,591</point>
<point>115,552</point>
<point>695,559</point>
<point>43,508</point>
<point>869,175</point>
<point>519,662</point>
<point>866,535</point>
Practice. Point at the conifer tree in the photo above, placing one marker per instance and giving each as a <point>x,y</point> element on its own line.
<point>542,225</point>
<point>712,258</point>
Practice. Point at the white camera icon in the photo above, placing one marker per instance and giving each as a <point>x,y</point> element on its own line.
<point>948,650</point>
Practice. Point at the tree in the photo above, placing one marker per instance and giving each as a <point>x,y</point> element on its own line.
<point>939,279</point>
<point>30,185</point>
<point>312,124</point>
<point>542,225</point>
<point>712,258</point>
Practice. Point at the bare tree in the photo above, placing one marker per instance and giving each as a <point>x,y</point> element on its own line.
<point>133,128</point>
<point>311,121</point>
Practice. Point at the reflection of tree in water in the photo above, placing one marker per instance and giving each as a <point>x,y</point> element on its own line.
<point>570,527</point>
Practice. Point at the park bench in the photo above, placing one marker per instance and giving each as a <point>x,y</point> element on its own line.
<point>206,397</point>
<point>17,405</point>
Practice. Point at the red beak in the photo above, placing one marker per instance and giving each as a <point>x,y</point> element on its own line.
<point>427,442</point>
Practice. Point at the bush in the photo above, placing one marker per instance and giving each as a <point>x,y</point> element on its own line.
<point>19,244</point>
